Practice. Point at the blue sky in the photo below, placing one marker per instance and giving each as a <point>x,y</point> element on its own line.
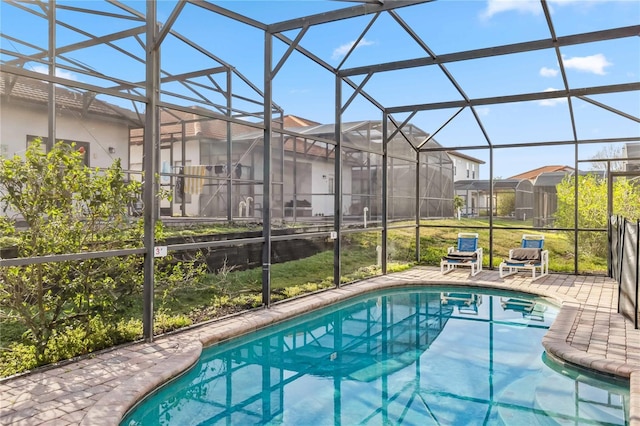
<point>305,89</point>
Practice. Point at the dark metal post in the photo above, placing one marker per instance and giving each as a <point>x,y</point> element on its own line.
<point>52,72</point>
<point>417,205</point>
<point>266,182</point>
<point>490,207</point>
<point>637,256</point>
<point>149,164</point>
<point>385,193</point>
<point>337,208</point>
<point>576,225</point>
<point>183,204</point>
<point>609,214</point>
<point>230,168</point>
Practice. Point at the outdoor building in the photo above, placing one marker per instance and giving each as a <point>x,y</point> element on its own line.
<point>632,152</point>
<point>545,195</point>
<point>467,169</point>
<point>206,179</point>
<point>532,175</point>
<point>511,197</point>
<point>99,128</point>
<point>304,170</point>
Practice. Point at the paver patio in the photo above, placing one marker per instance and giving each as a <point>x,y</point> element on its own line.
<point>99,389</point>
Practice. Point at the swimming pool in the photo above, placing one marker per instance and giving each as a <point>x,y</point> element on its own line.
<point>401,356</point>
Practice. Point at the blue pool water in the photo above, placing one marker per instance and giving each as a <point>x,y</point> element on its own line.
<point>409,356</point>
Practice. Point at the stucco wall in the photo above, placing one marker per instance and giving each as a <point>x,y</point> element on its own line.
<point>16,122</point>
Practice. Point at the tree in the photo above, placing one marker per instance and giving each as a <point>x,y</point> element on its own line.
<point>458,203</point>
<point>592,207</point>
<point>506,203</point>
<point>68,207</point>
<point>609,152</point>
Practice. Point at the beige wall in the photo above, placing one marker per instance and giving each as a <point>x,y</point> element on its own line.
<point>16,122</point>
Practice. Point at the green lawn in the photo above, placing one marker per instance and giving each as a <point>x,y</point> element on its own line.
<point>231,290</point>
<point>561,250</point>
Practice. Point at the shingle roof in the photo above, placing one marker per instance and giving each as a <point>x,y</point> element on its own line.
<point>466,157</point>
<point>36,92</point>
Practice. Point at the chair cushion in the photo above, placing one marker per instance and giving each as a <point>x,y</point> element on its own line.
<point>461,255</point>
<point>526,254</point>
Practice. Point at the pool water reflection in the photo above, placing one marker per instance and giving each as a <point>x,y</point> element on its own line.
<point>410,356</point>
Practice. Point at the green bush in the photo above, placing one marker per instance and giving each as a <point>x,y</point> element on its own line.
<point>71,208</point>
<point>592,209</point>
<point>69,343</point>
<point>164,322</point>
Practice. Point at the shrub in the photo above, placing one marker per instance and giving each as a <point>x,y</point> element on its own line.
<point>71,208</point>
<point>69,343</point>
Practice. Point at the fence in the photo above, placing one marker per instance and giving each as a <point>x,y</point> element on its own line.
<point>624,264</point>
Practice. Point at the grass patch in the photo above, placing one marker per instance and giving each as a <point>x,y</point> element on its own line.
<point>231,290</point>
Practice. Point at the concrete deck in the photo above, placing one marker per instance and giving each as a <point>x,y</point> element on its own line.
<point>100,389</point>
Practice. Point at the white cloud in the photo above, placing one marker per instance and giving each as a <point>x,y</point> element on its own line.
<point>548,72</point>
<point>523,6</point>
<point>483,112</point>
<point>552,102</point>
<point>339,52</point>
<point>594,63</point>
<point>299,91</point>
<point>43,69</point>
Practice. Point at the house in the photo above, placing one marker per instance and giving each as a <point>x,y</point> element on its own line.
<point>466,170</point>
<point>511,197</point>
<point>532,175</point>
<point>545,194</point>
<point>302,170</point>
<point>214,168</point>
<point>99,128</point>
<point>465,167</point>
<point>632,152</point>
<point>545,197</point>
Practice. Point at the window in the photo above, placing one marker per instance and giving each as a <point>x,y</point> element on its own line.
<point>83,147</point>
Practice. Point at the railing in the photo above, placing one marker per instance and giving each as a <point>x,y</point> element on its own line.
<point>624,264</point>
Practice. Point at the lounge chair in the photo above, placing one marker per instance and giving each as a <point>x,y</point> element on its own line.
<point>467,254</point>
<point>531,256</point>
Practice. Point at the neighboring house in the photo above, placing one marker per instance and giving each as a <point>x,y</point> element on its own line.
<point>466,169</point>
<point>215,169</point>
<point>98,129</point>
<point>302,170</point>
<point>101,129</point>
<point>545,197</point>
<point>532,175</point>
<point>632,151</point>
<point>521,191</point>
<point>545,194</point>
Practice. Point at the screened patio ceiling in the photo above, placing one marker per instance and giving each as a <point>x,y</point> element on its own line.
<point>517,85</point>
<point>470,74</point>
